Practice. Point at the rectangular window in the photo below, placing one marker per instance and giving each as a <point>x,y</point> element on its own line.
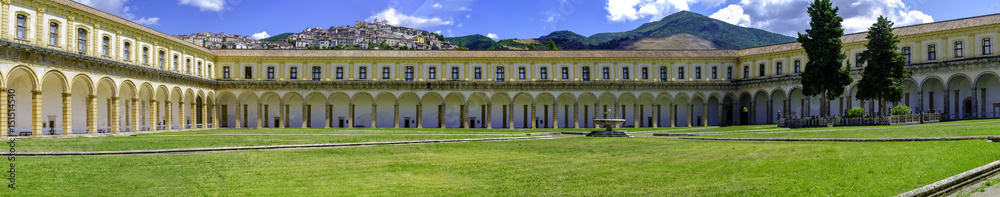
<point>565,72</point>
<point>907,55</point>
<point>81,40</point>
<point>454,72</point>
<point>857,60</point>
<point>385,72</point>
<point>500,75</point>
<point>932,52</point>
<point>680,73</point>
<point>145,55</point>
<point>363,73</point>
<point>663,73</point>
<point>729,72</point>
<point>199,69</point>
<point>520,73</point>
<point>340,72</point>
<point>544,73</point>
<point>187,66</point>
<point>163,61</point>
<point>606,73</point>
<point>959,49</point>
<point>104,45</point>
<point>778,68</point>
<point>432,73</point>
<point>586,73</point>
<point>270,72</point>
<point>22,26</point>
<point>478,72</point>
<point>176,62</point>
<point>746,72</point>
<point>798,66</point>
<point>53,33</point>
<point>645,72</point>
<point>625,73</point>
<point>409,73</point>
<point>760,69</point>
<point>127,51</point>
<point>317,73</point>
<point>225,72</point>
<point>987,46</point>
<point>293,73</point>
<point>697,72</point>
<point>247,72</point>
<point>715,72</point>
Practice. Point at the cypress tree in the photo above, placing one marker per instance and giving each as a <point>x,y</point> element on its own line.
<point>882,78</point>
<point>824,75</point>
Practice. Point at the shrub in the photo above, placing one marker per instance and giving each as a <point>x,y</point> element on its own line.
<point>901,110</point>
<point>856,112</point>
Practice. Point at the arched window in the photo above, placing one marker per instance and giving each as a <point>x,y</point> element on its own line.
<point>22,26</point>
<point>54,34</point>
<point>500,75</point>
<point>105,48</point>
<point>81,40</point>
<point>409,73</point>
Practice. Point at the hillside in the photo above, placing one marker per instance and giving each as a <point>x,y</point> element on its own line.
<point>685,22</point>
<point>276,37</point>
<point>677,42</point>
<point>472,42</point>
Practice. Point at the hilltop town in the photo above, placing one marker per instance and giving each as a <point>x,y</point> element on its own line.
<point>363,35</point>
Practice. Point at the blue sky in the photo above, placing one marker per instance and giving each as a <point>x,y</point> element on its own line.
<point>503,19</point>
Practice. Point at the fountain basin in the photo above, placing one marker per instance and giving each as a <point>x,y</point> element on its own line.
<point>609,125</point>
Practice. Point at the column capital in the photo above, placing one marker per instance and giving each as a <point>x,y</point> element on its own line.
<point>36,92</point>
<point>114,98</point>
<point>91,96</point>
<point>65,94</point>
<point>134,99</point>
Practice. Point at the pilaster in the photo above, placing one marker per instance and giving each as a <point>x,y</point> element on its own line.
<point>114,116</point>
<point>67,109</point>
<point>91,114</point>
<point>36,111</point>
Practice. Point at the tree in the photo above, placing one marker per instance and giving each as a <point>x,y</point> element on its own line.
<point>551,46</point>
<point>531,46</point>
<point>882,78</point>
<point>824,74</point>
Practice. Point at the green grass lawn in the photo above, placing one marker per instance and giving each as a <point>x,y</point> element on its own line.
<point>944,129</point>
<point>344,131</point>
<point>147,142</point>
<point>640,166</point>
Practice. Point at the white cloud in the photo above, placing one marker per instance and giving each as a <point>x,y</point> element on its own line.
<point>789,17</point>
<point>492,36</point>
<point>438,32</point>
<point>399,19</point>
<point>630,10</point>
<point>118,8</point>
<point>260,35</point>
<point>206,5</point>
<point>436,5</point>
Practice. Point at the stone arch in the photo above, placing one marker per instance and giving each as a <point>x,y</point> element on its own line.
<point>452,112</point>
<point>271,107</point>
<point>567,105</point>
<point>341,105</point>
<point>680,110</point>
<point>500,115</point>
<point>988,86</point>
<point>227,102</point>
<point>477,105</point>
<point>588,108</point>
<point>316,110</point>
<point>385,103</point>
<point>294,109</point>
<point>362,102</point>
<point>544,103</point>
<point>408,103</point>
<point>431,105</point>
<point>521,115</point>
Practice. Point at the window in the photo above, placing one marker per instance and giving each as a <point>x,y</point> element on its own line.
<point>520,73</point>
<point>432,73</point>
<point>906,53</point>
<point>697,72</point>
<point>760,69</point>
<point>363,73</point>
<point>746,72</point>
<point>270,72</point>
<point>680,73</point>
<point>145,55</point>
<point>187,65</point>
<point>931,52</point>
<point>798,66</point>
<point>857,60</point>
<point>544,73</point>
<point>293,73</point>
<point>500,73</point>
<point>81,43</point>
<point>478,72</point>
<point>565,72</point>
<point>225,72</point>
<point>778,68</point>
<point>247,72</point>
<point>127,51</point>
<point>454,72</point>
<point>729,72</point>
<point>645,72</point>
<point>607,73</point>
<point>199,69</point>
<point>176,62</point>
<point>340,72</point>
<point>317,72</point>
<point>53,33</point>
<point>987,46</point>
<point>959,49</point>
<point>663,73</point>
<point>625,73</point>
<point>22,26</point>
<point>715,72</point>
<point>163,61</point>
<point>209,70</point>
<point>586,73</point>
<point>104,45</point>
<point>409,73</point>
<point>385,72</point>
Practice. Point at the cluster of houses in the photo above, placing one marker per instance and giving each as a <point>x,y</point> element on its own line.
<point>363,35</point>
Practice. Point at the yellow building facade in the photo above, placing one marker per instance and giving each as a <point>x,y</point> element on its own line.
<point>69,69</point>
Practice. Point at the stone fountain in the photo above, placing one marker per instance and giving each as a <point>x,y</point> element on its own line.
<point>609,125</point>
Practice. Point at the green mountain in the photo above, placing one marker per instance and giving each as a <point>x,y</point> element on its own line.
<point>472,42</point>
<point>722,33</point>
<point>567,35</point>
<point>277,37</point>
